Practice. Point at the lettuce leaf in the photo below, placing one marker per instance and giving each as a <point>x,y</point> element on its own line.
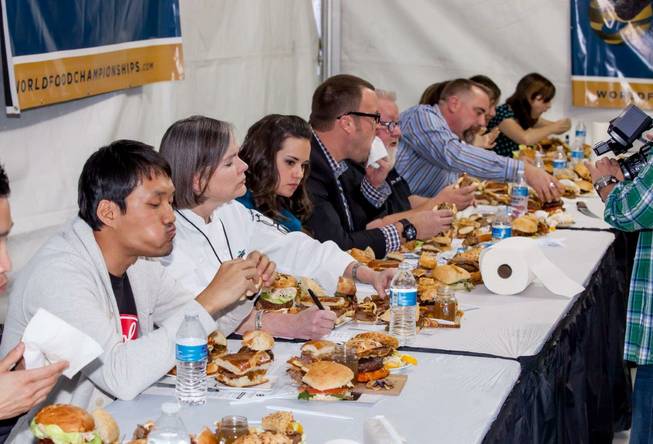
<point>58,436</point>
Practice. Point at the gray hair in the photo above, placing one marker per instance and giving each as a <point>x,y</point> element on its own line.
<point>385,94</point>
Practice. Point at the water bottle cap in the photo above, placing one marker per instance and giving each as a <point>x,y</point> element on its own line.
<point>170,408</point>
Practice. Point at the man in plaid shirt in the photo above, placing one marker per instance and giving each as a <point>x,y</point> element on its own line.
<point>629,207</point>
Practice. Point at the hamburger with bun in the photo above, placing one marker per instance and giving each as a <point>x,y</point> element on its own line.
<point>277,298</point>
<point>311,351</point>
<point>346,287</point>
<point>249,366</point>
<point>525,226</point>
<point>326,381</point>
<point>370,349</point>
<point>64,423</point>
<point>456,277</point>
<point>280,295</point>
<point>243,369</point>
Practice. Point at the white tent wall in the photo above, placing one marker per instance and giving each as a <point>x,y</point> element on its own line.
<point>407,45</point>
<point>242,60</point>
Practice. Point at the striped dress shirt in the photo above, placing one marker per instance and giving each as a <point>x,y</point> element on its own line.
<point>430,156</point>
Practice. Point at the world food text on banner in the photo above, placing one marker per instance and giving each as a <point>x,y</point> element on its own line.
<point>65,50</point>
<point>612,53</point>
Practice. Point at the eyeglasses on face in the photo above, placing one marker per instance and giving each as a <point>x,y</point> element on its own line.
<point>375,116</point>
<point>389,125</point>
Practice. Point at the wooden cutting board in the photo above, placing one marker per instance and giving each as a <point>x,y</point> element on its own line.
<point>397,380</point>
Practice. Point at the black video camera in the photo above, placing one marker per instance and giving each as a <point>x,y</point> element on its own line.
<point>624,130</point>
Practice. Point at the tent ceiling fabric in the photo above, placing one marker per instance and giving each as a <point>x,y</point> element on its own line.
<point>243,60</point>
<point>406,46</point>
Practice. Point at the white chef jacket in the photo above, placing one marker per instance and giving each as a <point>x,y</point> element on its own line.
<point>194,264</point>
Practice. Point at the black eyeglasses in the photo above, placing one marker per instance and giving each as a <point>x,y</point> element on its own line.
<point>390,125</point>
<point>376,116</point>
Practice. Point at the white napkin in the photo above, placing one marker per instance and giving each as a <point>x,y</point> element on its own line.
<point>48,339</point>
<point>378,151</point>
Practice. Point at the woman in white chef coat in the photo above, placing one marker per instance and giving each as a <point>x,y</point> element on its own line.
<point>213,228</point>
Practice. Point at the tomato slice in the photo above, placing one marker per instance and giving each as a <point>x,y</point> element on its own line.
<point>335,391</point>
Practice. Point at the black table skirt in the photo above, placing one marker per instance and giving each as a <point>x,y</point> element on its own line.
<point>578,388</point>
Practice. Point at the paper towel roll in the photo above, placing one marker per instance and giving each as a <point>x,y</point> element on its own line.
<point>505,270</point>
<point>512,264</point>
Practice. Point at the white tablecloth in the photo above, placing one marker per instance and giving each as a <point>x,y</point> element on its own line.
<point>447,398</point>
<point>519,325</point>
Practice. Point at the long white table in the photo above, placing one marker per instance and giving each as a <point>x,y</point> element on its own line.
<point>518,325</point>
<point>447,398</point>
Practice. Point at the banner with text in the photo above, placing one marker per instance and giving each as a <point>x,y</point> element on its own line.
<point>612,53</point>
<point>67,49</point>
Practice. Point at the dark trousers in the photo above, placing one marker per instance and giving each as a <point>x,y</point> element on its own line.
<point>642,431</point>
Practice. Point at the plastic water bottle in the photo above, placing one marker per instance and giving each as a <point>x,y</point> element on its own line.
<point>577,148</point>
<point>403,305</point>
<point>519,197</point>
<point>502,224</point>
<point>169,428</point>
<point>559,161</point>
<point>539,160</point>
<point>192,352</point>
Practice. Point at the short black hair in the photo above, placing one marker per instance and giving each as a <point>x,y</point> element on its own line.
<point>4,183</point>
<point>112,173</point>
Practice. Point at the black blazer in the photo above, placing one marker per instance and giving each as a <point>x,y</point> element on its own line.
<point>398,200</point>
<point>329,219</point>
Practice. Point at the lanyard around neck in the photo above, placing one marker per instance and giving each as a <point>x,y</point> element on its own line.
<point>207,238</point>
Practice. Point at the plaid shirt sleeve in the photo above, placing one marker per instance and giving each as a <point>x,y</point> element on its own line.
<point>392,238</point>
<point>629,206</point>
<point>375,196</point>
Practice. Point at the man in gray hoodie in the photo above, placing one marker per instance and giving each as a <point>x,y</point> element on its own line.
<point>94,275</point>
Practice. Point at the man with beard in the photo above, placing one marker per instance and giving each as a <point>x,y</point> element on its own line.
<point>95,275</point>
<point>401,199</point>
<point>432,153</point>
<point>344,117</point>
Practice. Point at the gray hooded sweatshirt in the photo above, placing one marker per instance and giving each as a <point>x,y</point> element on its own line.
<point>69,278</point>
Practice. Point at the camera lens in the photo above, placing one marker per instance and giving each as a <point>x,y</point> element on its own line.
<point>632,165</point>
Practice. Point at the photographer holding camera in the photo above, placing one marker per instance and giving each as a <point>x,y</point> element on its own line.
<point>629,207</point>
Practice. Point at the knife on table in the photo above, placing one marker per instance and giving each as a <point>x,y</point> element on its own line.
<point>582,208</point>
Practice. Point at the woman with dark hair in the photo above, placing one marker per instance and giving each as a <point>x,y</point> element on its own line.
<point>431,95</point>
<point>520,118</point>
<point>277,150</point>
<point>214,230</point>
